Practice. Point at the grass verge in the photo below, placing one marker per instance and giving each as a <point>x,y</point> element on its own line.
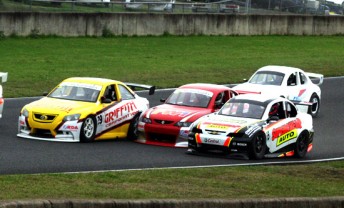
<point>36,65</point>
<point>312,180</point>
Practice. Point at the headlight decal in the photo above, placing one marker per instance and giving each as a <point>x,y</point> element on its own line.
<point>25,113</point>
<point>72,117</point>
<point>228,142</point>
<point>198,138</point>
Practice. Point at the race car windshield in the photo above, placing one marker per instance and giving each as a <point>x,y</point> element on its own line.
<point>242,109</point>
<point>77,92</point>
<point>190,97</point>
<point>267,78</point>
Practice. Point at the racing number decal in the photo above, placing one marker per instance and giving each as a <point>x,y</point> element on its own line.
<point>99,119</point>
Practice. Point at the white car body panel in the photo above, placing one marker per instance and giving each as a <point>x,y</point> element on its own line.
<point>3,78</point>
<point>217,129</point>
<point>299,92</point>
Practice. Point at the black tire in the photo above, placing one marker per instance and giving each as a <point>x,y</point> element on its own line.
<point>132,131</point>
<point>257,148</point>
<point>88,129</point>
<point>314,109</point>
<point>301,145</point>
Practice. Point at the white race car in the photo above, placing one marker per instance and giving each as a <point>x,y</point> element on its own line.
<point>256,126</point>
<point>288,82</point>
<point>3,78</point>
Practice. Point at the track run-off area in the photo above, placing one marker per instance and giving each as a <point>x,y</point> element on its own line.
<point>24,156</point>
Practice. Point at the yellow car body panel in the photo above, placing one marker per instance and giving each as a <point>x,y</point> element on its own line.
<point>82,109</point>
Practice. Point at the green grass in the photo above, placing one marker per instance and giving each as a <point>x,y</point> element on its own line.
<point>312,180</point>
<point>38,64</point>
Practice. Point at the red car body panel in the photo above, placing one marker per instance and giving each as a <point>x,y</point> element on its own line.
<point>162,128</point>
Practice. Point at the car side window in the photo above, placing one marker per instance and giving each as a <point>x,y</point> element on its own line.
<point>125,93</point>
<point>302,78</point>
<point>291,80</point>
<point>110,93</point>
<point>277,110</point>
<point>220,99</point>
<point>291,110</point>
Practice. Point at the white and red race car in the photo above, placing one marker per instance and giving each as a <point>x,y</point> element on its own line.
<point>3,78</point>
<point>288,82</point>
<point>254,126</point>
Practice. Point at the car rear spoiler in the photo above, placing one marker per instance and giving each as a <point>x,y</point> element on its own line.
<point>302,103</point>
<point>319,77</point>
<point>3,77</point>
<point>133,86</point>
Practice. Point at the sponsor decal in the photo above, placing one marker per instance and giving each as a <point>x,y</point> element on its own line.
<point>70,127</point>
<point>197,91</point>
<point>83,85</point>
<point>252,130</point>
<point>217,126</point>
<point>286,137</point>
<point>281,130</point>
<point>120,114</point>
<point>211,141</point>
<point>54,105</point>
<point>184,133</point>
<point>171,112</point>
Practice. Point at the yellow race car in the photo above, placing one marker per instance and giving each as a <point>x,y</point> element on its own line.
<point>82,109</point>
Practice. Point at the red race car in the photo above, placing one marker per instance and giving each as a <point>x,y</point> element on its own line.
<point>168,124</point>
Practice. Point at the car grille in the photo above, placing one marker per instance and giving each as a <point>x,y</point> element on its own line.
<point>163,121</point>
<point>168,138</point>
<point>215,132</point>
<point>43,133</point>
<point>44,118</point>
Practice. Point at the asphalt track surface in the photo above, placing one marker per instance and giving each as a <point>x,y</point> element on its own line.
<point>24,156</point>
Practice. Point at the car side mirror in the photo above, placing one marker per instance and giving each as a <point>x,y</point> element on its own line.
<point>105,100</point>
<point>151,90</point>
<point>272,118</point>
<point>45,93</point>
<point>162,100</point>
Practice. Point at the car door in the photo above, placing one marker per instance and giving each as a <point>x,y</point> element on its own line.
<point>283,131</point>
<point>119,108</point>
<point>296,87</point>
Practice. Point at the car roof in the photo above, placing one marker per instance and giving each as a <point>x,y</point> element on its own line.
<point>205,86</point>
<point>258,97</point>
<point>92,80</point>
<point>281,69</point>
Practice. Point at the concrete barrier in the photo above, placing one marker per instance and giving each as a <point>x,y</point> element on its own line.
<point>325,202</point>
<point>142,24</point>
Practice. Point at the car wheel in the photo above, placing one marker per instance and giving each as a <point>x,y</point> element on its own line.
<point>258,146</point>
<point>314,109</point>
<point>88,129</point>
<point>301,145</point>
<point>132,131</point>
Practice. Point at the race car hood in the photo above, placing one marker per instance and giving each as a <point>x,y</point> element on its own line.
<point>246,88</point>
<point>176,113</point>
<point>226,124</point>
<point>58,106</point>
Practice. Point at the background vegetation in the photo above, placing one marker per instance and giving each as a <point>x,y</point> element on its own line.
<point>38,64</point>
